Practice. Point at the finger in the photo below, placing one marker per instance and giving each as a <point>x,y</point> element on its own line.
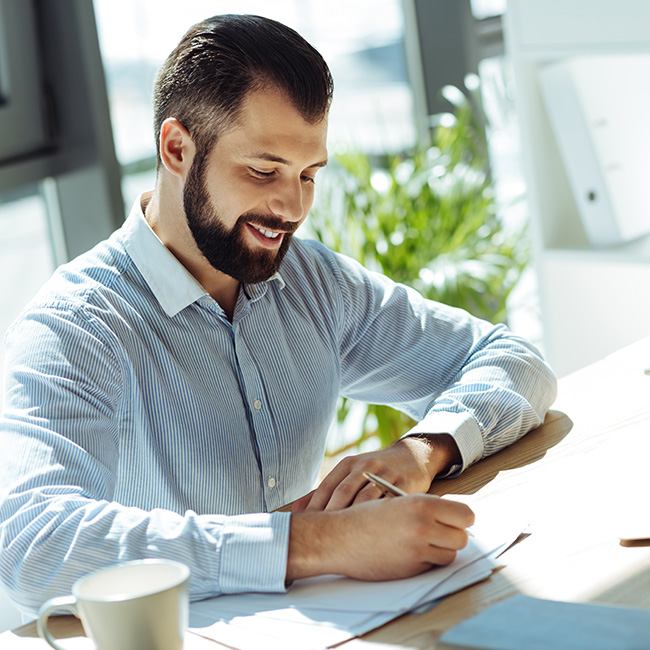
<point>339,488</point>
<point>344,483</point>
<point>346,492</point>
<point>437,556</point>
<point>323,493</point>
<point>449,537</point>
<point>301,504</point>
<point>369,492</point>
<point>454,513</point>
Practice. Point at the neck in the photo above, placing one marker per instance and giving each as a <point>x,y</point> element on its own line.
<point>171,227</point>
<point>224,290</point>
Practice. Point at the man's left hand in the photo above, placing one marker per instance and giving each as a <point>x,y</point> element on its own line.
<point>411,464</point>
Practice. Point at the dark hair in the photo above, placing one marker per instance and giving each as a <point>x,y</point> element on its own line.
<point>205,79</point>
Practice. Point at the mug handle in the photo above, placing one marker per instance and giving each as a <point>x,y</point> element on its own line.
<point>68,603</point>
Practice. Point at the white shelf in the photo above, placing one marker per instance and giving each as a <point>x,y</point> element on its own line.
<point>636,251</point>
<point>590,295</point>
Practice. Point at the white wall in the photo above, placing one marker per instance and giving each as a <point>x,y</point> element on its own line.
<point>592,296</point>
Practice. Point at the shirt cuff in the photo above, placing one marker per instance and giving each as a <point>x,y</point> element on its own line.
<point>253,553</point>
<point>462,427</point>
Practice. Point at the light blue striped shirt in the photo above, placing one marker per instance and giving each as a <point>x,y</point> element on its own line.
<point>135,411</point>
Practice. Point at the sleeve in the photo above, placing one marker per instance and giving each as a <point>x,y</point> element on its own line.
<point>451,372</point>
<point>60,448</point>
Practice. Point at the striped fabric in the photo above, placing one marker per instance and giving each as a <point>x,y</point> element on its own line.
<point>135,411</point>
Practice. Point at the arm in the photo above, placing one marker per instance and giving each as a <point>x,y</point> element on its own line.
<point>474,387</point>
<point>60,513</point>
<point>60,518</point>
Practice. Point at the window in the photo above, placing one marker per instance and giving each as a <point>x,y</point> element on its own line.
<point>488,8</point>
<point>362,41</point>
<point>22,122</point>
<point>25,253</point>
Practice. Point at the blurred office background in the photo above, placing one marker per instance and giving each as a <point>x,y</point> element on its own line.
<point>76,145</point>
<point>83,143</point>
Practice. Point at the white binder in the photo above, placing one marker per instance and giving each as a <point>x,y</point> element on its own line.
<point>599,108</point>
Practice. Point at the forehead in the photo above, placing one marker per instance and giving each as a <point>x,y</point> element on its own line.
<point>269,122</point>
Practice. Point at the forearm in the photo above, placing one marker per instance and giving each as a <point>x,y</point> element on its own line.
<point>47,543</point>
<point>503,391</point>
<point>309,553</point>
<point>449,371</point>
<point>74,467</point>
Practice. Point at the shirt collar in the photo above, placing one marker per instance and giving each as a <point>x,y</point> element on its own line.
<point>173,285</point>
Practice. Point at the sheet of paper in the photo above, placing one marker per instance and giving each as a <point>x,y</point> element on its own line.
<point>321,612</point>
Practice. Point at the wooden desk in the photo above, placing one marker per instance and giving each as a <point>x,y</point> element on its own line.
<point>583,478</point>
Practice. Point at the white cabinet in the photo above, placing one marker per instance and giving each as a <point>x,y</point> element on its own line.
<point>595,298</point>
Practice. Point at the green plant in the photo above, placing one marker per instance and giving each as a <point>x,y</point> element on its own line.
<point>428,219</point>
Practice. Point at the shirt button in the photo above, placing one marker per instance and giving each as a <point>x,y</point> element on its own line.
<point>271,482</point>
<point>257,404</point>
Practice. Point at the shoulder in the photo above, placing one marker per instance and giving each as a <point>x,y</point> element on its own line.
<point>312,262</point>
<point>99,267</point>
<point>336,285</point>
<point>83,289</point>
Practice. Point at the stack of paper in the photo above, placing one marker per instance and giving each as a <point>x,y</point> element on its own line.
<point>318,613</point>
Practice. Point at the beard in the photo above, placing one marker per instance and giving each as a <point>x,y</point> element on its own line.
<point>226,250</point>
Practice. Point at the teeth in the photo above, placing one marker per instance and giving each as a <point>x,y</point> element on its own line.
<point>267,233</point>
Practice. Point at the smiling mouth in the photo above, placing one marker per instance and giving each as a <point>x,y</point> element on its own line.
<point>267,233</point>
<point>271,239</point>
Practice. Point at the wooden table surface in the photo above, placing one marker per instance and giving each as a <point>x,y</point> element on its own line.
<point>582,480</point>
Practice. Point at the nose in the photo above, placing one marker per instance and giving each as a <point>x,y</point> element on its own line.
<point>289,200</point>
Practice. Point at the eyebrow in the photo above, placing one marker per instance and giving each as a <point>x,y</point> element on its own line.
<point>283,161</point>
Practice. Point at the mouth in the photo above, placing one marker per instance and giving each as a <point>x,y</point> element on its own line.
<point>267,233</point>
<point>268,238</point>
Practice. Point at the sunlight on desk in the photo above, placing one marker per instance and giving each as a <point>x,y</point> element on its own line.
<point>74,642</point>
<point>69,634</point>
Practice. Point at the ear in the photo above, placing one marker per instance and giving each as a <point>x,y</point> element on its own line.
<point>176,147</point>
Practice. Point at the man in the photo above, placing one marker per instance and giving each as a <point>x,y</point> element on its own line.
<point>169,389</point>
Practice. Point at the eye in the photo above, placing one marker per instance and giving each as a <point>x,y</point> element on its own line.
<point>308,179</point>
<point>260,174</point>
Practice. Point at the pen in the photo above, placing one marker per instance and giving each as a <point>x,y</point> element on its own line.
<point>389,488</point>
<point>384,485</point>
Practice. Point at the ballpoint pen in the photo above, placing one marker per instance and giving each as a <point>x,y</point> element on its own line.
<point>392,490</point>
<point>384,485</point>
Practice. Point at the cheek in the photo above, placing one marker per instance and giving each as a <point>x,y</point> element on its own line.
<point>231,199</point>
<point>244,197</point>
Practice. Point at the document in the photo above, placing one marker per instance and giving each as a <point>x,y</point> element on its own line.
<point>317,613</point>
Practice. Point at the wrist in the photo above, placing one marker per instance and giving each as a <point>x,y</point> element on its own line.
<point>310,552</point>
<point>441,452</point>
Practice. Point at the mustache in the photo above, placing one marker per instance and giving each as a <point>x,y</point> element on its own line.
<point>268,221</point>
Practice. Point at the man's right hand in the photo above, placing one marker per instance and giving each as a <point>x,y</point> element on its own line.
<point>384,539</point>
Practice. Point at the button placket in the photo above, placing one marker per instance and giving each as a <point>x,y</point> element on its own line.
<point>261,419</point>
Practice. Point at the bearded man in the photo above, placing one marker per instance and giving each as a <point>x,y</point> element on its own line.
<point>170,389</point>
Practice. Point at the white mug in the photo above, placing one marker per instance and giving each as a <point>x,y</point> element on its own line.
<point>139,605</point>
